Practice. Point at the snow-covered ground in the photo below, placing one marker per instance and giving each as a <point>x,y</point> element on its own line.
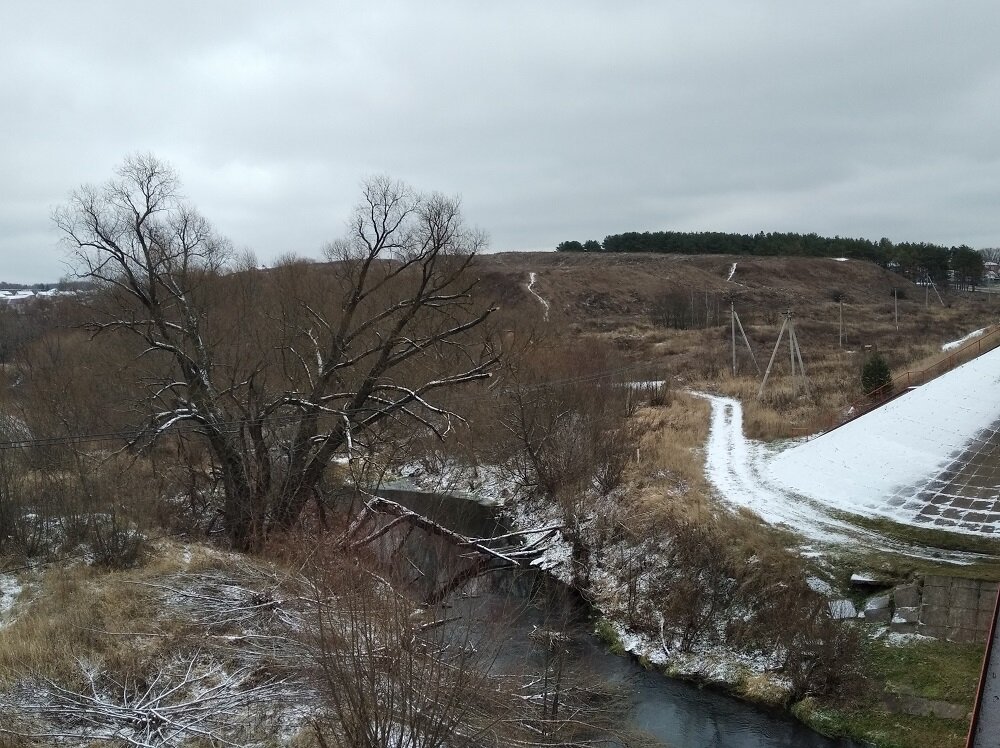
<point>737,468</point>
<point>958,343</point>
<point>732,272</point>
<point>899,459</point>
<point>925,458</point>
<point>9,591</point>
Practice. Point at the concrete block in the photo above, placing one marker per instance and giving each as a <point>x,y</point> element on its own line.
<point>934,615</point>
<point>967,584</point>
<point>842,609</point>
<point>962,636</point>
<point>878,615</point>
<point>916,705</point>
<point>937,632</point>
<point>987,598</point>
<point>983,621</point>
<point>906,615</point>
<point>965,597</point>
<point>962,618</point>
<point>935,595</point>
<point>902,627</point>
<point>877,609</point>
<point>933,580</point>
<point>906,595</point>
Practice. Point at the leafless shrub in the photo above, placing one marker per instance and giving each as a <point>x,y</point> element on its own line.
<point>187,698</point>
<point>116,543</point>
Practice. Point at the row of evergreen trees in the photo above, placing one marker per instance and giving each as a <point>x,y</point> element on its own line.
<point>915,260</point>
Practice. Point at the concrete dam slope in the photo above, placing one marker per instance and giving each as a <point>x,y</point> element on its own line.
<point>930,457</point>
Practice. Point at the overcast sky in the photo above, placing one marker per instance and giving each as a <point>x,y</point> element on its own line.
<point>553,121</point>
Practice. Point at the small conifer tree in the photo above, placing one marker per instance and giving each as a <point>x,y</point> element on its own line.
<point>875,374</point>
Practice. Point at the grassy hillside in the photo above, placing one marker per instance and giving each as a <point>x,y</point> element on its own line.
<point>672,311</point>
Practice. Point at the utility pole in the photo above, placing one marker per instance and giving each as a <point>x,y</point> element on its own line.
<point>841,321</point>
<point>753,356</point>
<point>732,312</point>
<point>895,303</point>
<point>793,353</point>
<point>774,353</point>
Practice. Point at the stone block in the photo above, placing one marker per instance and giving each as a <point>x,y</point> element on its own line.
<point>966,598</point>
<point>906,595</point>
<point>937,632</point>
<point>842,609</point>
<point>987,597</point>
<point>906,615</point>
<point>962,618</point>
<point>903,627</point>
<point>934,615</point>
<point>935,595</point>
<point>967,584</point>
<point>933,580</point>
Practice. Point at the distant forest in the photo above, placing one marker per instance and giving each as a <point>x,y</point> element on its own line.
<point>916,261</point>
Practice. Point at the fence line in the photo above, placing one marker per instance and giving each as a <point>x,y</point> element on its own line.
<point>902,383</point>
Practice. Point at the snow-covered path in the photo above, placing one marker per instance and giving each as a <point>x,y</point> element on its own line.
<point>737,467</point>
<point>732,272</point>
<point>740,469</point>
<point>531,289</point>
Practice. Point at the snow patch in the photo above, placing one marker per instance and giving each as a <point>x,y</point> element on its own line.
<point>10,588</point>
<point>531,289</point>
<point>732,271</point>
<point>958,343</point>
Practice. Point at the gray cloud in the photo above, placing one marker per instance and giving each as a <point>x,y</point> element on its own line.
<point>553,121</point>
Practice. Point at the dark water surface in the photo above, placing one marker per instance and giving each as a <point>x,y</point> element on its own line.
<point>676,713</point>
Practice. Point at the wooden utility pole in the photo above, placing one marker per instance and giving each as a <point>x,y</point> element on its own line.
<point>895,305</point>
<point>732,312</point>
<point>841,322</point>
<point>774,353</point>
<point>793,353</point>
<point>735,321</point>
<point>746,340</point>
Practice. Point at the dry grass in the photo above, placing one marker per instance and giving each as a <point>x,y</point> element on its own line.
<point>671,467</point>
<point>111,634</point>
<point>610,297</point>
<point>70,612</point>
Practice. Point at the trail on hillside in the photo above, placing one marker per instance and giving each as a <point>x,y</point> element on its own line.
<point>531,289</point>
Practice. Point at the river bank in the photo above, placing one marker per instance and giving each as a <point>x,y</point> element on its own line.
<point>701,697</point>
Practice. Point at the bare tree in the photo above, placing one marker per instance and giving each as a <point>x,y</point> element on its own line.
<point>280,372</point>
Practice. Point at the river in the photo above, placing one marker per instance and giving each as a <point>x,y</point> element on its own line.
<point>677,714</point>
